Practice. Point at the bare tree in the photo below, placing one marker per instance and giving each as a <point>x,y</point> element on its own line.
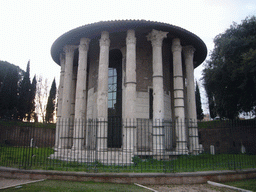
<point>41,97</point>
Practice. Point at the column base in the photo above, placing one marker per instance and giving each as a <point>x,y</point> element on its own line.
<point>115,157</point>
<point>181,148</point>
<point>73,149</point>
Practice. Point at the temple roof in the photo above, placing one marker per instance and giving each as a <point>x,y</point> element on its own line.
<point>93,30</point>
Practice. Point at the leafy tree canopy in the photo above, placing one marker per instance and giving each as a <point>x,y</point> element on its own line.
<point>230,73</point>
<point>17,94</point>
<point>5,66</point>
<point>10,77</point>
<point>9,95</point>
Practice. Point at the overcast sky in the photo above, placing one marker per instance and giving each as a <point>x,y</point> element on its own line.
<point>29,27</point>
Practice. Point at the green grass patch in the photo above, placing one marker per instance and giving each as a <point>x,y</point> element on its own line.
<point>208,162</point>
<point>54,185</point>
<point>249,184</point>
<point>38,158</point>
<point>25,157</point>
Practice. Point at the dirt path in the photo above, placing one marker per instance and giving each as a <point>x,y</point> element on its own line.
<point>190,188</point>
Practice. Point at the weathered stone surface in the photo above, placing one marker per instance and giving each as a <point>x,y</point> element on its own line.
<point>151,61</point>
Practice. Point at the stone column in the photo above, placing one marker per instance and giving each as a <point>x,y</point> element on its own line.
<point>73,93</point>
<point>72,109</point>
<point>80,103</point>
<point>188,52</point>
<point>130,93</point>
<point>102,95</point>
<point>60,96</point>
<point>179,111</point>
<point>156,38</point>
<point>66,102</point>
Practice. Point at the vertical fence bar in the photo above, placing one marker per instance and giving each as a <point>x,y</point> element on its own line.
<point>31,145</point>
<point>48,147</point>
<point>23,152</point>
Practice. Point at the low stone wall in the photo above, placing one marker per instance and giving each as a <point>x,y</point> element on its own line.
<point>129,178</point>
<point>228,138</point>
<point>225,137</point>
<point>27,136</point>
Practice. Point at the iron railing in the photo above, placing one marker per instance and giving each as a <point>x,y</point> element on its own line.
<point>139,145</point>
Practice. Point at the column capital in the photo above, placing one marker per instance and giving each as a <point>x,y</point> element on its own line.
<point>130,39</point>
<point>69,48</point>
<point>104,41</point>
<point>176,47</point>
<point>84,44</point>
<point>188,51</point>
<point>156,37</point>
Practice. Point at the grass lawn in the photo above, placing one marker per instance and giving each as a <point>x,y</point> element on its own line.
<point>37,158</point>
<point>74,186</point>
<point>54,185</point>
<point>249,184</point>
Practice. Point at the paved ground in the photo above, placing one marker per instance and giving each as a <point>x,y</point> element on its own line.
<point>5,183</point>
<point>190,188</point>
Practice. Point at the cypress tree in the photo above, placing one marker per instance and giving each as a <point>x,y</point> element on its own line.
<point>50,107</point>
<point>24,95</point>
<point>32,95</point>
<point>199,111</point>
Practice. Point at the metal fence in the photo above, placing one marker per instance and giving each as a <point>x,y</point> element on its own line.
<point>140,145</point>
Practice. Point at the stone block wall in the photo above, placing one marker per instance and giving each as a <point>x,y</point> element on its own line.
<point>21,136</point>
<point>228,139</point>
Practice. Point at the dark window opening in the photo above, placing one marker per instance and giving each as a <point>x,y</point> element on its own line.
<point>150,103</point>
<point>115,99</point>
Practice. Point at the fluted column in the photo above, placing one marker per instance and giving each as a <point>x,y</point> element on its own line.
<point>60,96</point>
<point>66,102</point>
<point>72,108</point>
<point>130,92</point>
<point>179,111</point>
<point>156,38</point>
<point>188,52</point>
<point>80,102</point>
<point>102,95</point>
